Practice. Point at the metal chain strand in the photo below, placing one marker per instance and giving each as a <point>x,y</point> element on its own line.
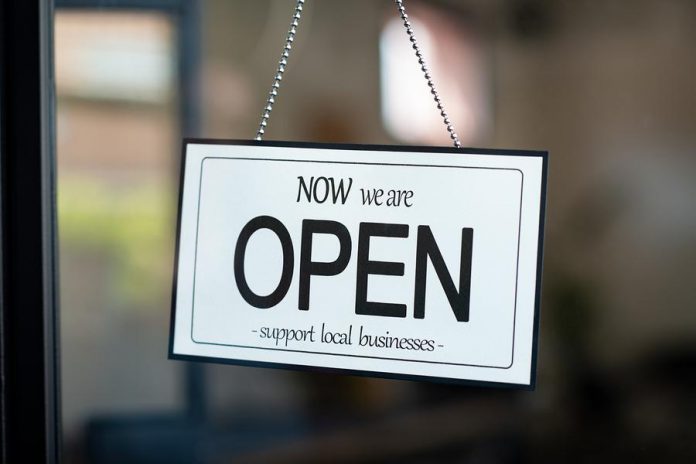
<point>281,69</point>
<point>270,101</point>
<point>426,73</point>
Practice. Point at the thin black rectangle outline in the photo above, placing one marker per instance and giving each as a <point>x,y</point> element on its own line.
<point>382,148</point>
<point>519,231</point>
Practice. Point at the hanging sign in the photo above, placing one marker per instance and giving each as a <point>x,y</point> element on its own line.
<point>380,260</point>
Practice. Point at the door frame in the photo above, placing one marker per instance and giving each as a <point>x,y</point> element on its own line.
<point>29,351</point>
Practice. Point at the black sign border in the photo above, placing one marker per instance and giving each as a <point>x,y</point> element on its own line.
<point>383,148</point>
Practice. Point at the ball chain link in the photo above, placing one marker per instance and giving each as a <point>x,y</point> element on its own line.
<point>426,73</point>
<point>273,94</point>
<point>290,38</point>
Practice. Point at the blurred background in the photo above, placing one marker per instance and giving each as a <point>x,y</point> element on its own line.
<point>608,88</point>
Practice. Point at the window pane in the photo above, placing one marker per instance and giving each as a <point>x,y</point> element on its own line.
<point>117,142</point>
<point>606,87</point>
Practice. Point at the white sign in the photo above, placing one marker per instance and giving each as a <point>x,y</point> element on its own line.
<point>389,261</point>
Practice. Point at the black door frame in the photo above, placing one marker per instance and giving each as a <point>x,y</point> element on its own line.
<point>30,404</point>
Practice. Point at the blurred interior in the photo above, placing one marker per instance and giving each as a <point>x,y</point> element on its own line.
<point>608,88</point>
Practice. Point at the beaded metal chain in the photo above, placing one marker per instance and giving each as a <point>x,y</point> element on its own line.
<point>273,94</point>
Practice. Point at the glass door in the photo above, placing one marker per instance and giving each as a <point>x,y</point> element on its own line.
<point>606,88</point>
